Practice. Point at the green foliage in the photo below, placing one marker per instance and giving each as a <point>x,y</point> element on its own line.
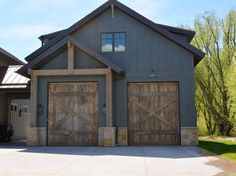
<point>214,76</point>
<point>223,148</point>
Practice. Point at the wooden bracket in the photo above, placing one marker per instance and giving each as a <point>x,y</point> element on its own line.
<point>70,57</point>
<point>113,11</point>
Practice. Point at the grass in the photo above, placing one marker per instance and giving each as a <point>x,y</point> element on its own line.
<point>225,149</point>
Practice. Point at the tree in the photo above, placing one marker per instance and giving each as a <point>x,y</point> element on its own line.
<point>217,38</point>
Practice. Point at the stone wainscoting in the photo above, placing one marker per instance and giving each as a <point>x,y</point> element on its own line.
<point>112,136</point>
<point>107,136</point>
<point>36,136</point>
<point>189,136</point>
<point>122,136</point>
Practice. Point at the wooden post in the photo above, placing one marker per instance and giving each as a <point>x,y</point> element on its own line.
<point>109,99</point>
<point>33,98</point>
<point>70,47</point>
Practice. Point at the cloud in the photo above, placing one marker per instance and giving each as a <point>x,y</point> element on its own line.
<point>107,48</point>
<point>120,48</point>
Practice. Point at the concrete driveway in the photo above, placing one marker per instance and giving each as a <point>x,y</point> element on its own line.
<point>119,161</point>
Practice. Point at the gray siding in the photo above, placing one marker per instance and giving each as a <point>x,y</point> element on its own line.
<point>83,61</point>
<point>145,50</point>
<point>59,62</point>
<point>43,94</point>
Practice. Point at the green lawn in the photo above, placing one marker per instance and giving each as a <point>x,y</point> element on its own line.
<point>226,149</point>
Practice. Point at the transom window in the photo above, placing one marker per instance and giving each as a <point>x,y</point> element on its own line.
<point>113,42</point>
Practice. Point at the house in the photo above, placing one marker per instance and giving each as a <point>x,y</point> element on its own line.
<point>14,97</point>
<point>113,78</point>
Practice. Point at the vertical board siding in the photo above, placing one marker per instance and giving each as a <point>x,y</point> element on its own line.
<point>20,122</point>
<point>146,50</point>
<point>59,62</point>
<point>83,61</point>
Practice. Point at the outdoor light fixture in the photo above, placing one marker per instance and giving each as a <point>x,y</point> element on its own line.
<point>152,73</point>
<point>104,108</point>
<point>40,109</point>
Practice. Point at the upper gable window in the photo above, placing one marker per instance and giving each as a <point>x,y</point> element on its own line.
<point>113,42</point>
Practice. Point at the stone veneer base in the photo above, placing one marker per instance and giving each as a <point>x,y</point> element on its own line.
<point>107,136</point>
<point>189,136</point>
<point>36,136</point>
<point>122,136</point>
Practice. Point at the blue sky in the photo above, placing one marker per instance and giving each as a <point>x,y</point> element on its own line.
<point>23,21</point>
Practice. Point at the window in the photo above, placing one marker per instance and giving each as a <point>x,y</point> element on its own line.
<point>113,42</point>
<point>14,107</point>
<point>107,41</point>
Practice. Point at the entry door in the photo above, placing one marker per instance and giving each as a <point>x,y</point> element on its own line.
<point>73,113</point>
<point>153,113</point>
<point>19,117</point>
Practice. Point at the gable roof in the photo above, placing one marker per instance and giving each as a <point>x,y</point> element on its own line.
<point>198,55</point>
<point>10,79</point>
<point>188,33</point>
<point>42,58</point>
<point>10,58</point>
<point>51,35</point>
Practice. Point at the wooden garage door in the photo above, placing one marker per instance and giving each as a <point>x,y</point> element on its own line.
<point>153,113</point>
<point>73,113</point>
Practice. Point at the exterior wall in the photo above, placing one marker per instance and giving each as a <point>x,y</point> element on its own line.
<point>43,94</point>
<point>83,61</point>
<point>59,62</point>
<point>146,50</point>
<point>3,108</point>
<point>5,98</point>
<point>4,63</point>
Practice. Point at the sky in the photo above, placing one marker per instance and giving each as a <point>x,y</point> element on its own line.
<point>23,21</point>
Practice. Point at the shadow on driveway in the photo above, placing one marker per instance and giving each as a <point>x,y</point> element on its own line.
<point>174,152</point>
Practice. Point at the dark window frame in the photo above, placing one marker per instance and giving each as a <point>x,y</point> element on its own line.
<point>113,42</point>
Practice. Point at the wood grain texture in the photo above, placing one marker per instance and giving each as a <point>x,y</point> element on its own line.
<point>153,113</point>
<point>73,113</point>
<point>109,99</point>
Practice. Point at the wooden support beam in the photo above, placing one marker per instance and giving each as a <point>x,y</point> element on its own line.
<point>70,47</point>
<point>61,72</point>
<point>33,98</point>
<point>113,11</point>
<point>109,99</point>
<point>29,71</point>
